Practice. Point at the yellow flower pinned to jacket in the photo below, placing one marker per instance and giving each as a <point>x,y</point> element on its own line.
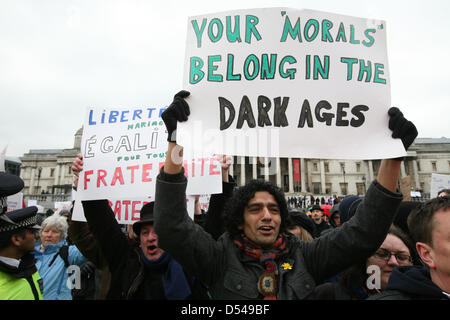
<point>286,266</point>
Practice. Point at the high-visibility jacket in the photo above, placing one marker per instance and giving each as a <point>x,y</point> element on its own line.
<point>26,288</point>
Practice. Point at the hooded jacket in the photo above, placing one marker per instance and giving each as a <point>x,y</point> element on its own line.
<point>410,283</point>
<point>55,276</point>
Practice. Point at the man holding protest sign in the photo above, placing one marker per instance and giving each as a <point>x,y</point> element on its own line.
<point>256,258</point>
<point>138,271</point>
<point>148,241</point>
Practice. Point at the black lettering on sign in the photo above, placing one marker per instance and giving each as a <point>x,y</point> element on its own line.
<point>305,115</point>
<point>326,116</point>
<point>279,117</point>
<point>264,105</point>
<point>246,114</point>
<point>224,104</point>
<point>340,114</point>
<point>357,111</point>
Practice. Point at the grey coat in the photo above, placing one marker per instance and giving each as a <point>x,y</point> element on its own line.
<point>228,273</point>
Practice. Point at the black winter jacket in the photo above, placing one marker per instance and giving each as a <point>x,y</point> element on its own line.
<point>231,274</point>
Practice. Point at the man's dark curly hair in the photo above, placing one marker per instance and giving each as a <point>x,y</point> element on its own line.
<point>234,208</point>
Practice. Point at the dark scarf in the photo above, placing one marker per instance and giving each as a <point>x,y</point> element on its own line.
<point>176,286</point>
<point>267,283</point>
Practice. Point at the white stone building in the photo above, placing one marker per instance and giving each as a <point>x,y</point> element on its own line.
<point>48,177</point>
<point>342,177</point>
<point>47,173</point>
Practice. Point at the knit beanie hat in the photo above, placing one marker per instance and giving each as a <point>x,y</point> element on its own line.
<point>403,211</point>
<point>301,219</point>
<point>348,206</point>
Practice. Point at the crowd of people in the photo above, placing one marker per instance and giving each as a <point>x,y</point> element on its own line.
<point>251,243</point>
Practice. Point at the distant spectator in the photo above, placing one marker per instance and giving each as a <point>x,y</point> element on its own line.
<point>64,213</point>
<point>403,212</point>
<point>319,223</point>
<point>335,217</point>
<point>301,225</point>
<point>443,193</point>
<point>348,206</point>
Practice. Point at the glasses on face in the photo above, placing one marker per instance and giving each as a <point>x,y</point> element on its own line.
<point>402,258</point>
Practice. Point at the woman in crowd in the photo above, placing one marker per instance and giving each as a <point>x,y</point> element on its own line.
<point>54,256</point>
<point>371,275</point>
<point>301,225</point>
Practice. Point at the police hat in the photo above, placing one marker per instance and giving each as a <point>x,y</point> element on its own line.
<point>10,184</point>
<point>22,218</point>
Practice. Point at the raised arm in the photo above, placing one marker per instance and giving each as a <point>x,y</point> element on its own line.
<point>184,240</point>
<point>110,243</point>
<point>79,231</point>
<point>405,130</point>
<point>177,111</point>
<point>214,223</point>
<point>358,238</point>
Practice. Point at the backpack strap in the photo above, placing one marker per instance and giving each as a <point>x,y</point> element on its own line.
<point>64,254</point>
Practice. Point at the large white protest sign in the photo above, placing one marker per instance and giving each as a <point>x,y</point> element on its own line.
<point>439,182</point>
<point>281,82</point>
<point>124,149</point>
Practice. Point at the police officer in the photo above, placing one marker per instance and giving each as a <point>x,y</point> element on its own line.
<point>19,279</point>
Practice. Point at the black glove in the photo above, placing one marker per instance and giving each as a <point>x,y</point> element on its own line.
<point>87,268</point>
<point>401,128</point>
<point>177,111</point>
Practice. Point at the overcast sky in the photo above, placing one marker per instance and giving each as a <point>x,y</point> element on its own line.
<point>58,57</point>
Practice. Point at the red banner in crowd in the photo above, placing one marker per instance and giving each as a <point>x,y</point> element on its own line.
<point>296,163</point>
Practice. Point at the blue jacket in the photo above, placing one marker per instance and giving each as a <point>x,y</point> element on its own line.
<point>55,277</point>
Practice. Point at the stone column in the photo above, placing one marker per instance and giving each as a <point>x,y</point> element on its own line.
<point>322,176</point>
<point>266,169</point>
<point>371,177</point>
<point>58,169</point>
<point>32,177</point>
<point>302,175</point>
<point>402,170</point>
<point>242,178</point>
<point>416,174</point>
<point>255,168</point>
<point>291,176</point>
<point>278,173</point>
